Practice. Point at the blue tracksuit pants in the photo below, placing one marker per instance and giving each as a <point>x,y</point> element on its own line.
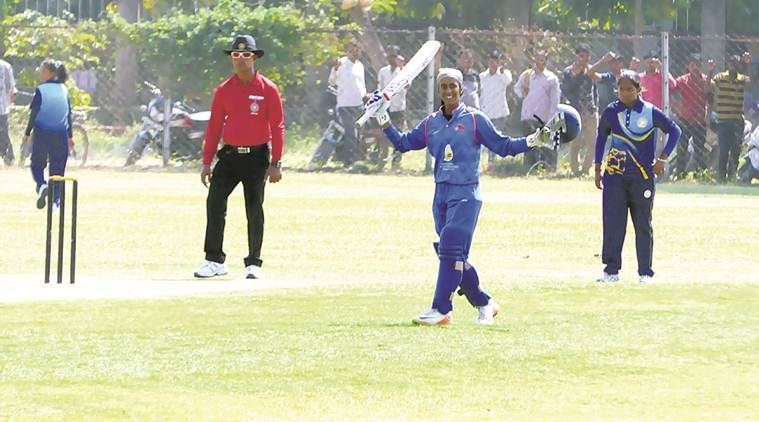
<point>622,193</point>
<point>455,210</point>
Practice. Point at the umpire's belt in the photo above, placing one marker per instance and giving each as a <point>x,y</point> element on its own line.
<point>248,149</point>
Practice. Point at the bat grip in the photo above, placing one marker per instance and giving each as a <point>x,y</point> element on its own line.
<point>363,119</point>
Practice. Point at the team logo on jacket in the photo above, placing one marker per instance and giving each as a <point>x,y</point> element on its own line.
<point>448,153</point>
<point>254,106</point>
<point>459,127</point>
<point>642,122</point>
<point>647,193</point>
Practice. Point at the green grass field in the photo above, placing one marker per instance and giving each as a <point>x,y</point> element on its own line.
<point>684,347</point>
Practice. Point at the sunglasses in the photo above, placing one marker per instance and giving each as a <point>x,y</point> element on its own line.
<point>241,54</point>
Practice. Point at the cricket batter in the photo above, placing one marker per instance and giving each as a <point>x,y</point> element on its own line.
<point>454,136</point>
<point>628,180</point>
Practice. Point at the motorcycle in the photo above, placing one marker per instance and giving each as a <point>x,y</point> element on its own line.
<point>372,147</point>
<point>187,129</point>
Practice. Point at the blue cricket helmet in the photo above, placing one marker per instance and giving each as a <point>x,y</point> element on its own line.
<point>572,121</point>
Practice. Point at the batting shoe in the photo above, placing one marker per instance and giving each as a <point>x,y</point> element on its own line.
<point>645,279</point>
<point>487,313</point>
<point>254,271</point>
<point>211,269</point>
<point>41,196</point>
<point>432,317</point>
<point>608,278</point>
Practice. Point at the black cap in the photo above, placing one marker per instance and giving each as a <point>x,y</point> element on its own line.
<point>393,50</point>
<point>245,43</point>
<point>652,54</point>
<point>495,54</point>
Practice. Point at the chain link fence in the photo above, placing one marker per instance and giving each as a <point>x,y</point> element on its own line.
<point>110,126</point>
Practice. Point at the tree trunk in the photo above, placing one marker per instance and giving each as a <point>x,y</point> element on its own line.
<point>713,30</point>
<point>515,13</point>
<point>638,47</point>
<point>126,65</point>
<point>369,40</point>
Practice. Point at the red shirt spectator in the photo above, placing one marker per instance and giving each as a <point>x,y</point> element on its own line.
<point>651,84</point>
<point>692,105</point>
<point>248,114</point>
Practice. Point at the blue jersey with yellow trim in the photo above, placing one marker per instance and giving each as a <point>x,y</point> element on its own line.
<point>633,136</point>
<point>456,143</point>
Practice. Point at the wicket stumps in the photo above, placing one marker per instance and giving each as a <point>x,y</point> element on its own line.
<point>61,182</point>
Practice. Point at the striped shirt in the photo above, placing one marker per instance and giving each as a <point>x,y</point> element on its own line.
<point>728,94</point>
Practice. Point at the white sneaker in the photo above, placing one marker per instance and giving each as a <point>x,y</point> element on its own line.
<point>254,271</point>
<point>432,317</point>
<point>487,313</point>
<point>646,279</point>
<point>608,278</point>
<point>41,196</point>
<point>210,269</point>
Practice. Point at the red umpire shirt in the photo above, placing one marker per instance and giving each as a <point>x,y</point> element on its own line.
<point>248,115</point>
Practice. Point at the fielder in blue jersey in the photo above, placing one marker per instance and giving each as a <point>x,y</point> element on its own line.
<point>50,120</point>
<point>454,135</point>
<point>628,180</point>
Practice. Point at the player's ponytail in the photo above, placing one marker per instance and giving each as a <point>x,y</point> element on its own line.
<point>57,68</point>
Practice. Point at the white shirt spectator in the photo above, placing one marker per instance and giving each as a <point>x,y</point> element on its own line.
<point>385,75</point>
<point>543,93</point>
<point>349,78</point>
<point>7,87</point>
<point>493,97</point>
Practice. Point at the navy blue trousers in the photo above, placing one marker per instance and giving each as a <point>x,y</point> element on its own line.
<point>625,193</point>
<point>49,147</point>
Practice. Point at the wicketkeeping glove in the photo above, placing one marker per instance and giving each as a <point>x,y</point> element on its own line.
<point>541,138</point>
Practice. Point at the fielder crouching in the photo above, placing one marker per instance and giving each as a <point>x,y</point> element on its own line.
<point>455,135</point>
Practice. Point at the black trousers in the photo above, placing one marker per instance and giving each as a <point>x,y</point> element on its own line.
<point>231,169</point>
<point>729,134</point>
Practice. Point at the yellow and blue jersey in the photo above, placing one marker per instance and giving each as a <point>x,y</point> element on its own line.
<point>633,137</point>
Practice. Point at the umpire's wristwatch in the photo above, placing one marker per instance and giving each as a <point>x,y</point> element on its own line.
<point>276,164</point>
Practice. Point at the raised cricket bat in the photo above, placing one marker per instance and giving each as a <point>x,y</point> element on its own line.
<point>402,80</point>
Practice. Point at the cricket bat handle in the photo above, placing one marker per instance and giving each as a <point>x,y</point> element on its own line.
<point>370,111</point>
<point>363,119</point>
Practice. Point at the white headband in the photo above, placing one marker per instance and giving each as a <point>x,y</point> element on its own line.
<point>448,72</point>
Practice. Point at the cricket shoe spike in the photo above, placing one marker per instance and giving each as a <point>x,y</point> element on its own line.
<point>210,269</point>
<point>432,317</point>
<point>608,278</point>
<point>645,279</point>
<point>487,313</point>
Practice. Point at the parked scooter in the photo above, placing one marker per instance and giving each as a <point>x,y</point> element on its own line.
<point>187,129</point>
<point>331,137</point>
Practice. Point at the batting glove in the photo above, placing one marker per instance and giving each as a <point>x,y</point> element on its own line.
<point>374,97</point>
<point>382,118</point>
<point>541,138</point>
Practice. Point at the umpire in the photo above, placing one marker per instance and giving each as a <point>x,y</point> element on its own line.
<point>247,109</point>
